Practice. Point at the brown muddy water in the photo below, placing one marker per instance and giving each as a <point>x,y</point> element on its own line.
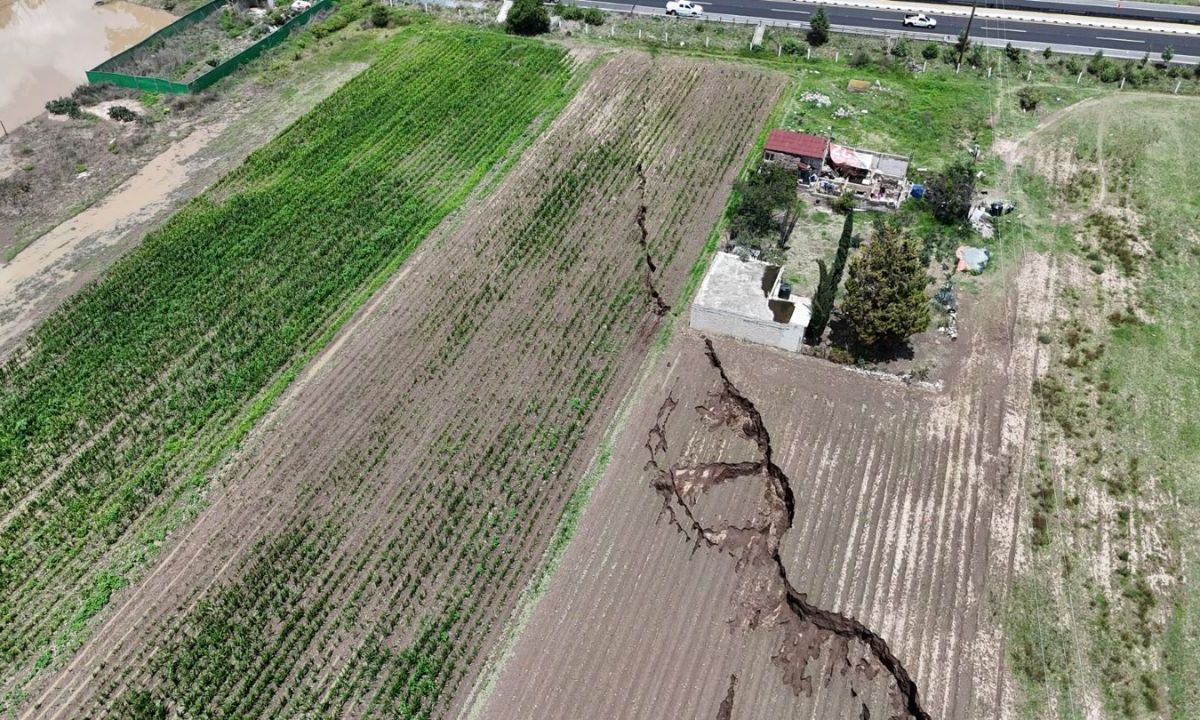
<point>46,45</point>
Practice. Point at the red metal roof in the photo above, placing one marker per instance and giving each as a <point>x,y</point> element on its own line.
<point>798,144</point>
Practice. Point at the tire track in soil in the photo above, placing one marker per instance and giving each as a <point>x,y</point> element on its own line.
<point>755,546</point>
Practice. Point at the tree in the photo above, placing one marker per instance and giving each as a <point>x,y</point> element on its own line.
<point>1048,53</point>
<point>763,195</point>
<point>930,51</point>
<point>885,292</point>
<point>951,192</point>
<point>844,205</point>
<point>1167,53</point>
<point>527,17</point>
<point>823,299</point>
<point>818,30</point>
<point>1028,98</point>
<point>380,17</point>
<point>1013,54</point>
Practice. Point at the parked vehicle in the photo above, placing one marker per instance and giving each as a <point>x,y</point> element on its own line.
<point>683,8</point>
<point>920,20</point>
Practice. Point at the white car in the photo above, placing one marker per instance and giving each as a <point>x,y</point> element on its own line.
<point>920,20</point>
<point>683,8</point>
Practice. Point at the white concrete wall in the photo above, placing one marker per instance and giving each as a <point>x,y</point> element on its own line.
<point>786,337</point>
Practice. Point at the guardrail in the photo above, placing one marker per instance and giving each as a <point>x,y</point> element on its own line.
<point>107,71</point>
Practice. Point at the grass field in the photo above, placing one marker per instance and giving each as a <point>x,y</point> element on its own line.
<point>1104,617</point>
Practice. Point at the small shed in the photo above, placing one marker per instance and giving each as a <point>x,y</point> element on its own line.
<point>799,151</point>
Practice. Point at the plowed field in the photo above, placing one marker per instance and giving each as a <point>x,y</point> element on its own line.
<point>777,536</point>
<point>363,551</point>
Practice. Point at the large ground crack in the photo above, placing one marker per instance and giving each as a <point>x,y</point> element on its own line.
<point>660,306</point>
<point>765,589</point>
<point>725,711</point>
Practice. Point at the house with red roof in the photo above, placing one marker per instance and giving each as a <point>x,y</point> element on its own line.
<point>799,151</point>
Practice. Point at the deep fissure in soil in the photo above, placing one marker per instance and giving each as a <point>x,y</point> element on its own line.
<point>771,598</point>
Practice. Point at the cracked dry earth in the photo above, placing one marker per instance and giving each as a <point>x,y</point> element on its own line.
<point>838,542</point>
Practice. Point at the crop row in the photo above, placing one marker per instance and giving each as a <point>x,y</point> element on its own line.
<point>431,498</point>
<point>123,395</point>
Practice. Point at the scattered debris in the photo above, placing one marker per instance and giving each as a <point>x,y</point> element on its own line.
<point>816,98</point>
<point>946,300</point>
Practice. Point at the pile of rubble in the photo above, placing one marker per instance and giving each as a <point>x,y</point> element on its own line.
<point>816,98</point>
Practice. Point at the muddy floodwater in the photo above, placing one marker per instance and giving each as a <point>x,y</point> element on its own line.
<point>46,45</point>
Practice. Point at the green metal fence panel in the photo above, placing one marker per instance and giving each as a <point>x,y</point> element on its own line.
<point>182,23</point>
<point>106,72</point>
<point>258,48</point>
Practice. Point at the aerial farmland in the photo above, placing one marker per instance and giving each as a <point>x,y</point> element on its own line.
<point>418,368</point>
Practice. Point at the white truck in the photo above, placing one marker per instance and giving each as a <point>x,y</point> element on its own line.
<point>920,20</point>
<point>683,8</point>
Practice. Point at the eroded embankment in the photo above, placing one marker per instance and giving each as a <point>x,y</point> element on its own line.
<point>769,596</point>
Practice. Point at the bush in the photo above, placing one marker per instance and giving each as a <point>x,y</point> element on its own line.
<point>1110,73</point>
<point>976,57</point>
<point>1013,54</point>
<point>527,17</point>
<point>1072,65</point>
<point>930,51</point>
<point>1048,53</point>
<point>1167,53</point>
<point>860,59</point>
<point>380,16</point>
<point>950,192</point>
<point>1028,98</point>
<point>1097,63</point>
<point>789,46</point>
<point>818,30</point>
<point>63,106</point>
<point>900,49</point>
<point>595,16</point>
<point>121,113</point>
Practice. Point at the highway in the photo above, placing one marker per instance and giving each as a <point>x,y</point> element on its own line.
<point>1031,34</point>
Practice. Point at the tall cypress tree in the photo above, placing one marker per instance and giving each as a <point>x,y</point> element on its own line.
<point>885,293</point>
<point>822,304</point>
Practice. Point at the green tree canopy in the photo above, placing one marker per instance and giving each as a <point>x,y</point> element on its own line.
<point>885,291</point>
<point>818,30</point>
<point>827,286</point>
<point>951,192</point>
<point>527,17</point>
<point>764,194</point>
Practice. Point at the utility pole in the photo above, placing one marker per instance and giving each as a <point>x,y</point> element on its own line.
<point>966,36</point>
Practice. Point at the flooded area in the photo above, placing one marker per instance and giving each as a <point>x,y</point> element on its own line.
<point>47,45</point>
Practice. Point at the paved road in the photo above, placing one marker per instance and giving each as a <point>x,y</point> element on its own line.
<point>1030,35</point>
<point>1096,8</point>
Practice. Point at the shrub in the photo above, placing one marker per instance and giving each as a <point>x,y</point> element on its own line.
<point>901,49</point>
<point>380,16</point>
<point>1167,53</point>
<point>951,191</point>
<point>1097,63</point>
<point>527,17</point>
<point>1110,73</point>
<point>976,58</point>
<point>930,51</point>
<point>860,59</point>
<point>1028,98</point>
<point>789,46</point>
<point>1047,53</point>
<point>595,16</point>
<point>818,30</point>
<point>1013,54</point>
<point>63,106</point>
<point>121,113</point>
<point>1072,65</point>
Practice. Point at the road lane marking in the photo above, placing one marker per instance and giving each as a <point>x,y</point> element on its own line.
<point>798,12</point>
<point>1001,30</point>
<point>1098,37</point>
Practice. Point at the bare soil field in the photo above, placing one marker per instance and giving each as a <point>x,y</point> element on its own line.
<point>367,546</point>
<point>776,536</point>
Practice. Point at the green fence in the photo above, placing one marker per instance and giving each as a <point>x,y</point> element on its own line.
<point>107,71</point>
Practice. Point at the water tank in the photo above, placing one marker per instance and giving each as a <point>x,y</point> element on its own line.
<point>785,290</point>
<point>918,191</point>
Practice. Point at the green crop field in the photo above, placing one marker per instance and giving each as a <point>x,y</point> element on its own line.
<point>115,409</point>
